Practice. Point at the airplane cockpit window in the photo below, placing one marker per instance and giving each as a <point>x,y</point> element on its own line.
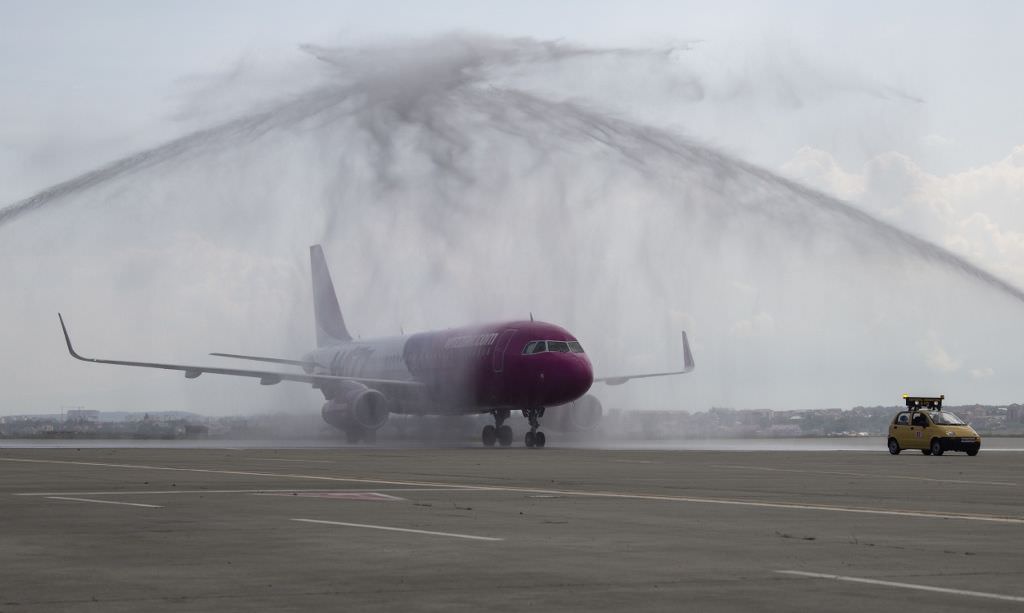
<point>535,347</point>
<point>558,346</point>
<point>554,346</point>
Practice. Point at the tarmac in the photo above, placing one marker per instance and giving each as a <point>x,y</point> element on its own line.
<point>385,529</point>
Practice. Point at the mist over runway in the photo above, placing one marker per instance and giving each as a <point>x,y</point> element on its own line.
<point>454,179</point>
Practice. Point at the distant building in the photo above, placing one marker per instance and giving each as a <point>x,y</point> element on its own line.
<point>87,415</point>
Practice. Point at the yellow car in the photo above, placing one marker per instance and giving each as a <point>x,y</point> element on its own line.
<point>933,431</point>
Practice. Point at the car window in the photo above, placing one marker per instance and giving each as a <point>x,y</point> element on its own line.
<point>920,420</point>
<point>903,419</point>
<point>947,419</point>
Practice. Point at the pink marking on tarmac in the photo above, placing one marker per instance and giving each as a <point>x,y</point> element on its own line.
<point>370,496</point>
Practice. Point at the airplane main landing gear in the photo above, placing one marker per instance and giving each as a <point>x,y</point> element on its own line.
<point>498,433</point>
<point>534,438</point>
<point>489,435</point>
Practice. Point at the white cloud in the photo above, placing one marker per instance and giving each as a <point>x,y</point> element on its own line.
<point>820,170</point>
<point>977,213</point>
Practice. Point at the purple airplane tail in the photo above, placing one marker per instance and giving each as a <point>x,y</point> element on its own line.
<point>330,325</point>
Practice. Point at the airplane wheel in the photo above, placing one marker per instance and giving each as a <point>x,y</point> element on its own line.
<point>539,439</point>
<point>529,439</point>
<point>894,447</point>
<point>489,436</point>
<point>937,447</point>
<point>505,436</point>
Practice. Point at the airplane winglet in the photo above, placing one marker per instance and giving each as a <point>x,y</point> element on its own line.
<point>67,339</point>
<point>688,364</point>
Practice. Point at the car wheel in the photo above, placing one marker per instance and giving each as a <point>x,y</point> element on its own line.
<point>894,447</point>
<point>937,447</point>
<point>973,450</point>
<point>926,451</point>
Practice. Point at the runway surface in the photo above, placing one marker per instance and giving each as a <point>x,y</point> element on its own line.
<point>508,529</point>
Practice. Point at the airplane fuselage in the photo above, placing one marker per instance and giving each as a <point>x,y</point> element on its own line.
<point>466,370</point>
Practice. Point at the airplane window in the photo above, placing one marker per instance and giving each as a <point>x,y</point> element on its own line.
<point>528,349</point>
<point>558,346</point>
<point>541,347</point>
<point>576,347</point>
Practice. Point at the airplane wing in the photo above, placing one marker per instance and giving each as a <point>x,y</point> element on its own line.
<point>257,358</point>
<point>265,377</point>
<point>687,367</point>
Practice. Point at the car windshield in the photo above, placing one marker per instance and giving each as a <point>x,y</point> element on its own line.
<point>946,419</point>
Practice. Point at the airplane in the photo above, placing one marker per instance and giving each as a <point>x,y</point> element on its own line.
<point>521,366</point>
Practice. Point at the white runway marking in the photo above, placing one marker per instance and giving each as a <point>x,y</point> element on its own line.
<point>127,504</point>
<point>582,493</point>
<point>863,475</point>
<point>293,460</point>
<point>360,496</point>
<point>249,491</point>
<point>904,586</point>
<point>393,529</point>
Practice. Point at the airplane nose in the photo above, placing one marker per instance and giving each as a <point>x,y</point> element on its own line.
<point>584,376</point>
<point>574,378</point>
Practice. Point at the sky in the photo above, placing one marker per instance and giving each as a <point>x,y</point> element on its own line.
<point>909,113</point>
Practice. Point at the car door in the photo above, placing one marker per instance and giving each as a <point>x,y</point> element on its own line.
<point>918,431</point>
<point>901,429</point>
<point>930,431</point>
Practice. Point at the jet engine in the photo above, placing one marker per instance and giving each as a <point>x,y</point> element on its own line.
<point>356,406</point>
<point>581,415</point>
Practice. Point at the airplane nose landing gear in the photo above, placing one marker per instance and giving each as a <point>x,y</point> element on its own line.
<point>534,438</point>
